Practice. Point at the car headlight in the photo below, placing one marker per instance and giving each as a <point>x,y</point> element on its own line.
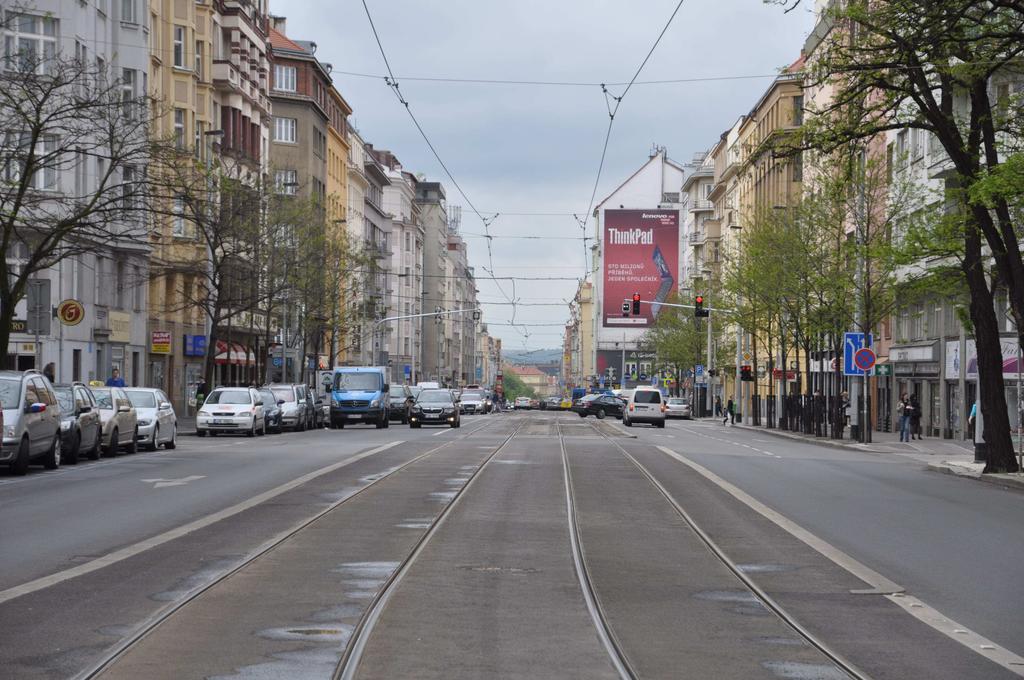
<point>375,403</point>
<point>144,422</point>
<point>65,425</point>
<point>9,432</point>
<point>244,413</point>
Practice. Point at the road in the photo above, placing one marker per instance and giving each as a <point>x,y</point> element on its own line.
<point>521,545</point>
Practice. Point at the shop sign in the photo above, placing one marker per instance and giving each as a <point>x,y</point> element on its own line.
<point>883,369</point>
<point>19,326</point>
<point>160,342</point>
<point>120,327</point>
<point>70,312</point>
<point>195,346</point>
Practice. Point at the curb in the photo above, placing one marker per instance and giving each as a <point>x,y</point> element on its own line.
<point>1002,480</point>
<point>816,440</point>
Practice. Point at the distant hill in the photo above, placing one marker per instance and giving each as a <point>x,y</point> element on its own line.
<point>531,357</point>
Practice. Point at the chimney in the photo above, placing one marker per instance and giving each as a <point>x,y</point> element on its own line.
<point>279,24</point>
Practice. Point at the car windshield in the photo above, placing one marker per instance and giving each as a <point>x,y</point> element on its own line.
<point>65,399</point>
<point>473,396</point>
<point>415,391</point>
<point>268,397</point>
<point>104,399</point>
<point>228,397</point>
<point>10,389</point>
<point>283,393</point>
<point>435,397</point>
<point>677,402</point>
<point>142,399</point>
<point>647,397</point>
<point>361,381</point>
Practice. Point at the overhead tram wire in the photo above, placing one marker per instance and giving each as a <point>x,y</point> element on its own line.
<point>392,82</point>
<point>611,121</point>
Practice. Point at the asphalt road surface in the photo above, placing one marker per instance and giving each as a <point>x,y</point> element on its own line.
<point>521,545</point>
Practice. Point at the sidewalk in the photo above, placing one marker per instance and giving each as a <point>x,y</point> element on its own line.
<point>940,455</point>
<point>187,425</point>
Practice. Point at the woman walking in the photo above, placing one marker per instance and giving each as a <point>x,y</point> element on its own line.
<point>915,417</point>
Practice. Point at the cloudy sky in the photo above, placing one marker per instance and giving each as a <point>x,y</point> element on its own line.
<point>536,148</point>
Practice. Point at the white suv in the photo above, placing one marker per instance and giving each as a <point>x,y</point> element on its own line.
<point>646,405</point>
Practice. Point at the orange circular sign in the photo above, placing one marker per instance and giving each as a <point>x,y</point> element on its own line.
<point>70,312</point>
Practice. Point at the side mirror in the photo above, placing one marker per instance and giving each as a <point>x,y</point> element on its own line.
<point>37,407</point>
<point>123,408</point>
<point>85,409</point>
<point>280,402</point>
<point>165,406</point>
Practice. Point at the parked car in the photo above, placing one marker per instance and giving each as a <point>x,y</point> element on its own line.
<point>158,423</point>
<point>80,427</point>
<point>675,407</point>
<point>535,403</point>
<point>471,401</point>
<point>232,409</point>
<point>314,414</point>
<point>522,403</point>
<point>31,421</point>
<point>400,402</point>
<point>292,401</point>
<point>600,406</point>
<point>645,406</point>
<point>435,407</point>
<point>119,418</point>
<point>271,411</point>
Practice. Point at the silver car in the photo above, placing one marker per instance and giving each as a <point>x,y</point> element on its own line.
<point>158,423</point>
<point>31,421</point>
<point>677,408</point>
<point>292,400</point>
<point>118,419</point>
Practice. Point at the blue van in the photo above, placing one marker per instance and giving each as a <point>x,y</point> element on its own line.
<point>359,395</point>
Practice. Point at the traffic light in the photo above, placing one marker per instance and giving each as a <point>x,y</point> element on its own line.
<point>636,304</point>
<point>625,309</point>
<point>698,307</point>
<point>746,374</point>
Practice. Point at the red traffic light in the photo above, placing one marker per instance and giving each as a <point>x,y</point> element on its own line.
<point>699,300</point>
<point>636,297</point>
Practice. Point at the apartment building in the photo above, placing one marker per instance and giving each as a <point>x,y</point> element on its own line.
<point>109,39</point>
<point>434,217</point>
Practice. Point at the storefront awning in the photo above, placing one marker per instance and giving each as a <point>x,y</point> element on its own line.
<point>237,354</point>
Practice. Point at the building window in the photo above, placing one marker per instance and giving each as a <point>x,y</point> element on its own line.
<point>179,128</point>
<point>128,92</point>
<point>285,130</point>
<point>128,180</point>
<point>128,11</point>
<point>138,287</point>
<point>284,78</point>
<point>30,43</point>
<point>319,143</point>
<point>179,46</point>
<point>178,224</point>
<point>286,182</point>
<point>199,59</point>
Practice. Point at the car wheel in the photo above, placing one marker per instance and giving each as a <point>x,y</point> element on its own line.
<point>201,433</point>
<point>111,448</point>
<point>71,457</point>
<point>414,426</point>
<point>263,429</point>
<point>133,446</point>
<point>600,414</point>
<point>626,422</point>
<point>172,443</point>
<point>94,452</point>
<point>156,439</point>
<point>583,415</point>
<point>454,425</point>
<point>661,423</point>
<point>52,459</point>
<point>20,465</point>
<point>212,433</point>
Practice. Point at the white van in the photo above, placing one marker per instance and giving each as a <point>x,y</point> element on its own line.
<point>645,405</point>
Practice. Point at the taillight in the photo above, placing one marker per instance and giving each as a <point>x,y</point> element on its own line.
<point>630,407</point>
<point>663,408</point>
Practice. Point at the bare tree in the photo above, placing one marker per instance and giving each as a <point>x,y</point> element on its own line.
<point>74,152</point>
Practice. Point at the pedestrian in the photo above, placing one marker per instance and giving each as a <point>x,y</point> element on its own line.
<point>903,410</point>
<point>915,417</point>
<point>972,418</point>
<point>718,406</point>
<point>200,392</point>
<point>115,379</point>
<point>730,412</point>
<point>50,371</point>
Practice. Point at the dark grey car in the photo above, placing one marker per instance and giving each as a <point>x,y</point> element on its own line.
<point>80,427</point>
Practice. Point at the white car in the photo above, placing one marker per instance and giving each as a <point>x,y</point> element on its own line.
<point>157,421</point>
<point>522,403</point>
<point>645,405</point>
<point>232,409</point>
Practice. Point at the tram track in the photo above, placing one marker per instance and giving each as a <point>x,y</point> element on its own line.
<point>151,624</point>
<point>348,666</point>
<point>770,603</point>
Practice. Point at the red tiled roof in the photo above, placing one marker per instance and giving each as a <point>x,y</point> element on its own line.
<point>526,370</point>
<point>283,42</point>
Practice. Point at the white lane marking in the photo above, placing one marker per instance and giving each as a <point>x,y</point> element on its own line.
<point>883,586</point>
<point>440,432</point>
<point>178,532</point>
<point>162,483</point>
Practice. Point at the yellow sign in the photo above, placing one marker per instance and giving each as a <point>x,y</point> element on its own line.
<point>160,342</point>
<point>120,327</point>
<point>70,312</point>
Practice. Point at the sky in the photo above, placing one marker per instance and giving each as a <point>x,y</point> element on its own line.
<point>536,148</point>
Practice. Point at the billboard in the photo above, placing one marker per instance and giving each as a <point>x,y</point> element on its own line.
<point>641,255</point>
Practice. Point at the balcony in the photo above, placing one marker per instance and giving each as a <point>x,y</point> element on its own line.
<point>227,74</point>
<point>701,205</point>
<point>696,238</point>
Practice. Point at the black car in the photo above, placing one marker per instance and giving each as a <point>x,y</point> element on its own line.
<point>400,402</point>
<point>435,407</point>
<point>271,411</point>
<point>599,406</point>
<point>80,428</point>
